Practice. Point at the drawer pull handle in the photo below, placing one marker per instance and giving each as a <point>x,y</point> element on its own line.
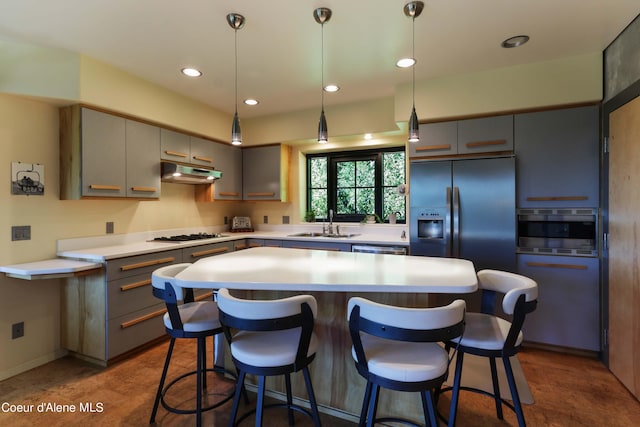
<point>240,247</point>
<point>229,193</point>
<point>147,263</point>
<point>209,252</point>
<point>485,143</point>
<point>104,187</point>
<point>144,189</point>
<point>203,159</point>
<point>203,297</point>
<point>175,153</point>
<point>434,147</point>
<point>255,245</point>
<point>261,194</point>
<point>138,320</point>
<point>547,264</point>
<point>135,285</point>
<point>557,198</point>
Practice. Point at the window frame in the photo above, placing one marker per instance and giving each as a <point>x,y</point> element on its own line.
<point>356,155</point>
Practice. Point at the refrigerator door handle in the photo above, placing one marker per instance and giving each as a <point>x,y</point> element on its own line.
<point>456,223</point>
<point>447,225</point>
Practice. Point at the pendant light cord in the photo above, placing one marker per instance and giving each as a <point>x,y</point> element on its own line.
<point>322,64</point>
<point>413,55</point>
<point>235,32</point>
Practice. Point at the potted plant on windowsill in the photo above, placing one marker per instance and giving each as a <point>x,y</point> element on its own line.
<point>371,219</point>
<point>310,216</point>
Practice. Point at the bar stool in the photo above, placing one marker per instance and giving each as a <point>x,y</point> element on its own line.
<point>186,319</point>
<point>397,348</point>
<point>270,337</point>
<point>489,335</point>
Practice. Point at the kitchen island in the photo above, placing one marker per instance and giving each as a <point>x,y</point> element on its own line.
<point>332,278</point>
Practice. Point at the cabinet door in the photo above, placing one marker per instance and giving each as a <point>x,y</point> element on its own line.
<point>143,166</point>
<point>103,154</point>
<point>327,246</point>
<point>558,158</point>
<point>436,139</point>
<point>202,152</point>
<point>568,311</point>
<point>485,135</point>
<point>228,159</point>
<point>194,253</point>
<point>175,146</point>
<point>261,173</point>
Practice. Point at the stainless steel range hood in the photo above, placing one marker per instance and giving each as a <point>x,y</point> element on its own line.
<point>173,172</point>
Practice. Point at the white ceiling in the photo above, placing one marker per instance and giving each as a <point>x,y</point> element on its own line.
<point>279,55</point>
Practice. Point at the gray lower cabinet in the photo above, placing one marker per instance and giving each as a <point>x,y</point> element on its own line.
<point>568,311</point>
<point>108,314</point>
<point>306,244</point>
<point>557,154</point>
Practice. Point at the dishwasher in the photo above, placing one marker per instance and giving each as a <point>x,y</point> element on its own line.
<point>393,250</point>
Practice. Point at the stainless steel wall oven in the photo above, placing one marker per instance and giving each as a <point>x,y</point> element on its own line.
<point>558,231</point>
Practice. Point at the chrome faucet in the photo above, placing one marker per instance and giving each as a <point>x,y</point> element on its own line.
<point>330,221</point>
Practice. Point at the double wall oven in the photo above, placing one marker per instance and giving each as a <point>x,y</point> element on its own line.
<point>558,231</point>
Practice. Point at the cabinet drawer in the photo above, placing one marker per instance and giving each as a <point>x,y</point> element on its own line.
<point>135,329</point>
<point>139,264</point>
<point>129,294</point>
<point>194,253</point>
<point>484,135</point>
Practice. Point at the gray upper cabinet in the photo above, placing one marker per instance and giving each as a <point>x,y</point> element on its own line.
<point>202,152</point>
<point>175,146</point>
<point>103,155</point>
<point>102,144</point>
<point>436,139</point>
<point>482,135</point>
<point>485,135</point>
<point>228,159</point>
<point>143,167</point>
<point>558,158</point>
<point>265,173</point>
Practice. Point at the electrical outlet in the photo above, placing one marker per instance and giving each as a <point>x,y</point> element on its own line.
<point>226,220</point>
<point>110,227</point>
<point>265,220</point>
<point>20,232</point>
<point>17,330</point>
<point>285,219</point>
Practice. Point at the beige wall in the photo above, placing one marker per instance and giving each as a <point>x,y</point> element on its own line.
<point>29,133</point>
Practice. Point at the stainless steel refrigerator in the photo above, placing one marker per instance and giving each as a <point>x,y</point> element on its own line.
<point>464,209</point>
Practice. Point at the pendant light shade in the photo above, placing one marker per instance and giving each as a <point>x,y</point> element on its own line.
<point>236,21</point>
<point>413,10</point>
<point>322,15</point>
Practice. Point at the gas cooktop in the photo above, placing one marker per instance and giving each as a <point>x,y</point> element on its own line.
<point>188,237</point>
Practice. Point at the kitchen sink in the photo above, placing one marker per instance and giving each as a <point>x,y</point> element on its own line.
<point>313,234</point>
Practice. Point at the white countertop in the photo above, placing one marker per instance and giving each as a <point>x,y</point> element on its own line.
<point>268,268</point>
<point>49,269</point>
<point>104,248</point>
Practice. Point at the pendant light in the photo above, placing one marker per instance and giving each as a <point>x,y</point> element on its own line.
<point>322,15</point>
<point>236,21</point>
<point>413,10</point>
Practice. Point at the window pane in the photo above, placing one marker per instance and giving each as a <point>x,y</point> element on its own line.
<point>393,168</point>
<point>365,201</point>
<point>319,172</point>
<point>346,203</point>
<point>319,202</point>
<point>366,173</point>
<point>346,172</point>
<point>393,203</point>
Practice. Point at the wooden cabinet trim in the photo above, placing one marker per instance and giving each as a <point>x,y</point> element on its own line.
<point>553,265</point>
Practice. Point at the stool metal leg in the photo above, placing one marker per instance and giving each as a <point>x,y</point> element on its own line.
<point>260,403</point>
<point>162,380</point>
<point>236,398</point>
<point>312,396</point>
<point>287,383</point>
<point>365,404</point>
<point>514,391</point>
<point>455,393</point>
<point>496,388</point>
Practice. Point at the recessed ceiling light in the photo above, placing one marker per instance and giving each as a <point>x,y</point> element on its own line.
<point>332,88</point>
<point>368,136</point>
<point>405,62</point>
<point>191,72</point>
<point>251,101</point>
<point>515,41</point>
